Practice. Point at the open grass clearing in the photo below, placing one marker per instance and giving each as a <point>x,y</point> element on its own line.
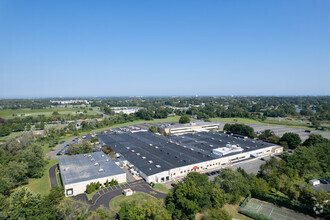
<point>9,113</point>
<point>139,197</point>
<point>161,188</point>
<point>233,211</point>
<point>266,122</point>
<point>42,185</point>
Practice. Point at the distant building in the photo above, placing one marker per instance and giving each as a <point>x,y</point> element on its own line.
<point>65,102</point>
<point>80,170</point>
<point>125,110</point>
<point>191,127</point>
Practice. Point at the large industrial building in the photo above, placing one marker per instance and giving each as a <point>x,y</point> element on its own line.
<point>191,127</point>
<point>80,170</point>
<point>160,159</point>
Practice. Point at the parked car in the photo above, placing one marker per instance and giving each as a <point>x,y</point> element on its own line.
<point>323,181</point>
<point>52,149</point>
<point>174,185</point>
<point>263,159</point>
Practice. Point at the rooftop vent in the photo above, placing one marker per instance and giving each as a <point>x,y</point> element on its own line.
<point>85,155</point>
<point>158,166</point>
<point>150,161</point>
<point>102,155</point>
<point>101,170</point>
<point>156,147</point>
<point>150,144</point>
<point>107,160</point>
<point>96,164</point>
<point>92,159</point>
<point>89,155</point>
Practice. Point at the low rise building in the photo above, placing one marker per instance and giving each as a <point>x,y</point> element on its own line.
<point>80,170</point>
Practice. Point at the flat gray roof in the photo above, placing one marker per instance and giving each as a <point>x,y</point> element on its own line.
<point>83,167</point>
<point>174,151</point>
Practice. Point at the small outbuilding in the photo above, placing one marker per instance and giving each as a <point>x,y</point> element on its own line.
<point>314,182</point>
<point>128,192</point>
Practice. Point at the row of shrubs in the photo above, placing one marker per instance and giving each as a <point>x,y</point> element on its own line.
<point>92,187</point>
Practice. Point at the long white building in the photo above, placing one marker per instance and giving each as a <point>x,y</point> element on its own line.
<point>161,159</point>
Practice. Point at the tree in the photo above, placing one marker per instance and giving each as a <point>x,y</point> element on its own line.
<point>153,129</point>
<point>107,183</point>
<point>25,204</point>
<point>292,139</point>
<point>148,210</point>
<point>240,129</point>
<point>94,139</point>
<point>259,187</point>
<point>184,119</point>
<point>217,214</point>
<point>80,148</point>
<point>234,184</point>
<point>314,139</point>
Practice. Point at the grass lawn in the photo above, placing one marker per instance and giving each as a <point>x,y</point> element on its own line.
<point>233,211</point>
<point>161,188</point>
<point>42,185</point>
<point>139,197</point>
<point>266,122</point>
<point>11,135</point>
<point>8,113</point>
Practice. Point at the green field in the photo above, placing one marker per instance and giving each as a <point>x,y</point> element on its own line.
<point>161,188</point>
<point>268,121</point>
<point>8,113</point>
<point>42,185</point>
<point>139,197</point>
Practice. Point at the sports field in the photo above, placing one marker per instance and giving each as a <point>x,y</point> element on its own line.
<point>274,212</point>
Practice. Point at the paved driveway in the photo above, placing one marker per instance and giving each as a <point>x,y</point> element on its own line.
<point>52,175</point>
<point>104,196</point>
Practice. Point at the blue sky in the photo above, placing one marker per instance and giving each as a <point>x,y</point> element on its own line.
<point>159,48</point>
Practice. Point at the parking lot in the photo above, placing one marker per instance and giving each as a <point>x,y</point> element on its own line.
<point>280,130</point>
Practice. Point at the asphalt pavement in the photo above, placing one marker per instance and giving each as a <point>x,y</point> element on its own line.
<point>52,154</point>
<point>104,196</point>
<point>52,176</point>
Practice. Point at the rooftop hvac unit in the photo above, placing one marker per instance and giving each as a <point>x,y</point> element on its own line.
<point>107,160</point>
<point>150,161</point>
<point>102,155</point>
<point>138,154</point>
<point>156,147</point>
<point>158,166</point>
<point>96,164</point>
<point>191,149</point>
<point>92,159</point>
<point>211,145</point>
<point>127,148</point>
<point>144,158</point>
<point>85,155</point>
<point>101,170</point>
<point>133,151</point>
<point>89,155</point>
<point>150,144</point>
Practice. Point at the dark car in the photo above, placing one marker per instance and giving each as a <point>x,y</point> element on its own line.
<point>213,173</point>
<point>323,181</point>
<point>174,185</point>
<point>62,142</point>
<point>308,131</point>
<point>263,159</point>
